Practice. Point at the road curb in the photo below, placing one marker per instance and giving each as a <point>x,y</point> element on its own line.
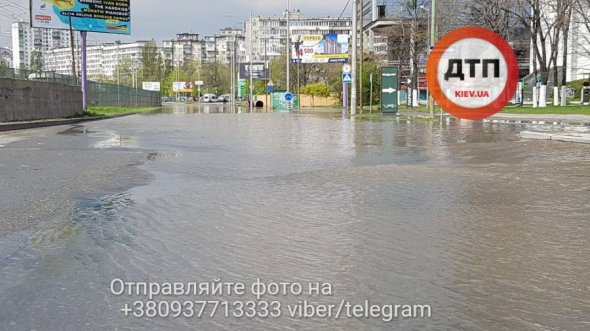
<point>13,126</point>
<point>561,136</point>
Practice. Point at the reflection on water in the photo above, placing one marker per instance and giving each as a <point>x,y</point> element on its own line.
<point>490,230</point>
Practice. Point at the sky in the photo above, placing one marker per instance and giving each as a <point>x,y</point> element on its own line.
<point>160,20</point>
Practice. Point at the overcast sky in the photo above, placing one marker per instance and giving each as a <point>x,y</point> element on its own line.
<point>162,19</point>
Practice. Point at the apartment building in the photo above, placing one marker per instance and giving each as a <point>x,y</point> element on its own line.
<point>26,40</point>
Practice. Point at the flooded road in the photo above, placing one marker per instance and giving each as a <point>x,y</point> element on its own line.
<point>489,230</point>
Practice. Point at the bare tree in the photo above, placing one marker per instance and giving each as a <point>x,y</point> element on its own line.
<point>582,13</point>
<point>544,21</point>
<point>408,41</point>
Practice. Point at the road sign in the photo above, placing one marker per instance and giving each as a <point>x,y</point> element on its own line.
<point>199,82</point>
<point>288,96</point>
<point>390,89</point>
<point>270,83</point>
<point>478,79</point>
<point>347,78</point>
<point>346,69</point>
<point>270,88</point>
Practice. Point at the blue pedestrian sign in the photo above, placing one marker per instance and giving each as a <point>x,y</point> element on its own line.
<point>347,78</point>
<point>288,96</point>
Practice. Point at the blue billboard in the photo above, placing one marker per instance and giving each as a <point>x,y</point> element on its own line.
<point>105,16</point>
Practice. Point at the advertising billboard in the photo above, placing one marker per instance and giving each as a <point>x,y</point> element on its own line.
<point>258,70</point>
<point>183,87</point>
<point>151,86</point>
<point>105,16</point>
<point>329,48</point>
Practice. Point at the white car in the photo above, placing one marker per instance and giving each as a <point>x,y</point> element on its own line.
<point>209,98</point>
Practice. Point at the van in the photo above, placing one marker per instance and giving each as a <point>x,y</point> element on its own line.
<point>209,98</point>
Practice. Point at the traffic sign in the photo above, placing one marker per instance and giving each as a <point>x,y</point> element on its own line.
<point>347,78</point>
<point>346,68</point>
<point>288,96</point>
<point>389,89</point>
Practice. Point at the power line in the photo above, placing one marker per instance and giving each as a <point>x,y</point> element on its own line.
<point>341,14</point>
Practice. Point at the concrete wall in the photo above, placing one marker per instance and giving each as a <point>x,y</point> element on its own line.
<point>24,100</point>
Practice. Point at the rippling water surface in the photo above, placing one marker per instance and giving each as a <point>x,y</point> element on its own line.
<point>490,230</point>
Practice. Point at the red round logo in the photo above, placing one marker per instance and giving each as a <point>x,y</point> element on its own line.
<point>472,73</point>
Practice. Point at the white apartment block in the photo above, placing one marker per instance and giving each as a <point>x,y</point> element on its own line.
<point>25,40</point>
<point>101,61</point>
<point>269,34</point>
<point>220,47</point>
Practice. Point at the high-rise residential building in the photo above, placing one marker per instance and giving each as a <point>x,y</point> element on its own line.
<point>26,39</point>
<point>186,47</point>
<point>101,61</point>
<point>269,34</point>
<point>209,49</point>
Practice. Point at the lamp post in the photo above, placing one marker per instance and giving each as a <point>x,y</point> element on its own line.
<point>118,42</point>
<point>251,100</point>
<point>288,44</point>
<point>428,52</point>
<point>354,53</point>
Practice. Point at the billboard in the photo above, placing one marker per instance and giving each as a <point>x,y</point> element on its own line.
<point>328,48</point>
<point>183,87</point>
<point>151,86</point>
<point>106,16</point>
<point>258,70</point>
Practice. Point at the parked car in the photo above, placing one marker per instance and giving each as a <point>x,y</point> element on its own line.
<point>209,98</point>
<point>224,98</point>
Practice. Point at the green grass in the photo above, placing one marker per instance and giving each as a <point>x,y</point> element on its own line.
<point>550,109</point>
<point>116,111</point>
<point>526,109</point>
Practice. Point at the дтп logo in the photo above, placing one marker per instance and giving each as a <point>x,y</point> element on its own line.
<point>472,73</point>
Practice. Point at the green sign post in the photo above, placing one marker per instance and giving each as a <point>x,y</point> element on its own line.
<point>389,90</point>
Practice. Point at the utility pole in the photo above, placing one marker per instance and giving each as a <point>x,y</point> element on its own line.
<point>288,45</point>
<point>432,42</point>
<point>362,56</point>
<point>354,53</point>
<point>251,55</point>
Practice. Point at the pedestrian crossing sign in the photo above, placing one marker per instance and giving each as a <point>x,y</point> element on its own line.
<point>347,78</point>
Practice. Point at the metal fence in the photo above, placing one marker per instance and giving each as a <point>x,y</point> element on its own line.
<point>99,94</point>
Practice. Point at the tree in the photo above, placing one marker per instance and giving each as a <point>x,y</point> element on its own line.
<point>36,61</point>
<point>545,22</point>
<point>216,77</point>
<point>153,63</point>
<point>315,90</point>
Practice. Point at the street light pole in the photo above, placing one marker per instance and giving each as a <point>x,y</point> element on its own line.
<point>354,52</point>
<point>428,106</point>
<point>288,45</point>
<point>432,41</point>
<point>251,101</point>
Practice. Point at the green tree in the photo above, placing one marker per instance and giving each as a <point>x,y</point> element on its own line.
<point>216,78</point>
<point>36,64</point>
<point>316,90</point>
<point>153,63</point>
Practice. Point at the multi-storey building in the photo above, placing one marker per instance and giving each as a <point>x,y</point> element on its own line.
<point>185,48</point>
<point>269,34</point>
<point>26,40</point>
<point>101,61</point>
<point>210,49</point>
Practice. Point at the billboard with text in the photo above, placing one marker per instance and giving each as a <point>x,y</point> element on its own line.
<point>183,87</point>
<point>328,48</point>
<point>106,16</point>
<point>258,70</point>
